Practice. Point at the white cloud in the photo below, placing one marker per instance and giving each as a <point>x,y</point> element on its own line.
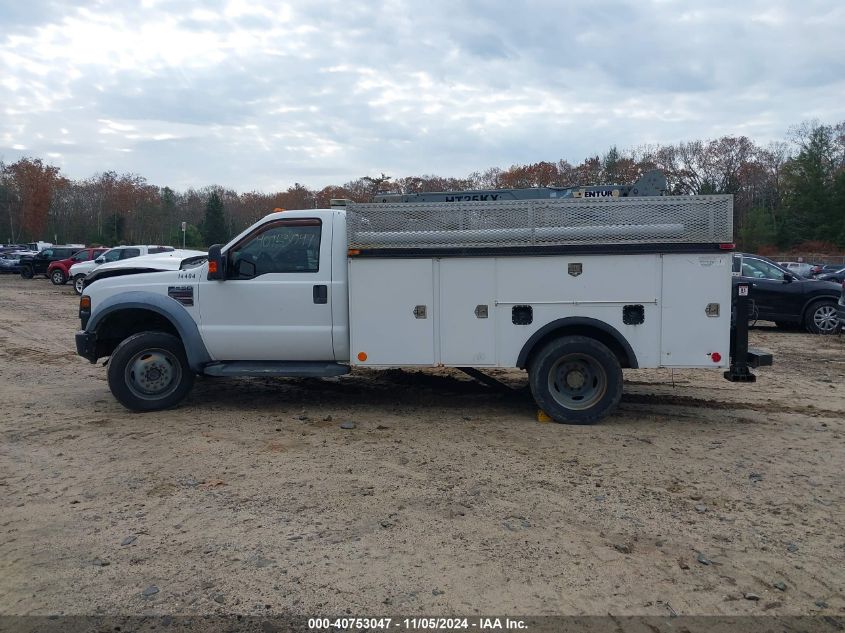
<point>252,94</point>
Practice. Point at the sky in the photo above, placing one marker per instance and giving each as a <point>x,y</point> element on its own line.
<point>255,95</point>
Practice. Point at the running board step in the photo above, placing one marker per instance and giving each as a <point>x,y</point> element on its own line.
<point>290,369</point>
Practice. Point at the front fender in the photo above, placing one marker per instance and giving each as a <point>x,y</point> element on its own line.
<point>170,309</point>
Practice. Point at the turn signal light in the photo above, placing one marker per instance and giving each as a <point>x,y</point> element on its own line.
<point>352,252</point>
<point>212,266</point>
<point>362,356</point>
<point>85,302</point>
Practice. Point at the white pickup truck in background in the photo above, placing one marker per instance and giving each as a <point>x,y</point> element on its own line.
<point>572,288</point>
<point>79,271</point>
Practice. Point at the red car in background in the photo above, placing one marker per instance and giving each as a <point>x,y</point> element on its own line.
<point>58,271</point>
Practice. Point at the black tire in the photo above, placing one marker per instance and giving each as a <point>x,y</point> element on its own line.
<point>58,277</point>
<point>576,380</point>
<point>26,272</point>
<point>149,372</point>
<point>820,317</point>
<point>78,282</point>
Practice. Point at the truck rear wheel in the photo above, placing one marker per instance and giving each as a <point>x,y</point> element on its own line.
<point>149,372</point>
<point>576,380</point>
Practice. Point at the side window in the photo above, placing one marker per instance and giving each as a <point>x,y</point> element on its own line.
<point>82,256</point>
<point>160,249</point>
<point>284,246</point>
<point>112,255</point>
<point>758,269</point>
<point>130,252</point>
<point>737,264</point>
<point>47,252</point>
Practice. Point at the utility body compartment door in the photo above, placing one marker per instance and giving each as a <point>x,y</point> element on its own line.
<point>467,312</point>
<point>689,335</point>
<point>391,311</point>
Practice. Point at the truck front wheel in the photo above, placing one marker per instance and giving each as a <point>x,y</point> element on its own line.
<point>149,372</point>
<point>576,380</point>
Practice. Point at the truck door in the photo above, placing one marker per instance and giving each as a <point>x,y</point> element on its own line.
<point>275,302</point>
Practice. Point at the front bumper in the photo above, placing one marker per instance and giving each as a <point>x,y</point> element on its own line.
<point>86,345</point>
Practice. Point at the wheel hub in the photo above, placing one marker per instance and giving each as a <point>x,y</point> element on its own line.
<point>577,382</point>
<point>575,379</point>
<point>825,318</point>
<point>152,373</point>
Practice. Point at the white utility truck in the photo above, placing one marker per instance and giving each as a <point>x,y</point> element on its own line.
<point>572,285</point>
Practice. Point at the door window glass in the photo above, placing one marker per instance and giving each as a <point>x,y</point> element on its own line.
<point>82,256</point>
<point>283,247</point>
<point>112,255</point>
<point>758,269</point>
<point>130,252</point>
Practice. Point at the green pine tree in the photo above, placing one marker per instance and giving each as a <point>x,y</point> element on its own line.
<point>214,226</point>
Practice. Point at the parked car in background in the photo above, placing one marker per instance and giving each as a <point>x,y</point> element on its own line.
<point>837,276</point>
<point>31,265</point>
<point>59,271</point>
<point>823,269</point>
<point>118,253</point>
<point>779,295</point>
<point>40,246</point>
<point>172,260</point>
<point>13,248</point>
<point>840,311</point>
<point>801,269</point>
<point>10,263</point>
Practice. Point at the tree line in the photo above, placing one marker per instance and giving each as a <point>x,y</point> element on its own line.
<point>787,194</point>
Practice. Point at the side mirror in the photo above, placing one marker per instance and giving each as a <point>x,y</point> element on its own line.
<point>100,260</point>
<point>787,277</point>
<point>216,263</point>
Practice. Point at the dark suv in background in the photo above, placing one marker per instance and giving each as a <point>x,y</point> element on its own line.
<point>31,265</point>
<point>781,296</point>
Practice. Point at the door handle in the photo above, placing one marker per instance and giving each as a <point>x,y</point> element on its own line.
<point>321,294</point>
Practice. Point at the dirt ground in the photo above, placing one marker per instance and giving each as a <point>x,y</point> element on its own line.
<point>447,498</point>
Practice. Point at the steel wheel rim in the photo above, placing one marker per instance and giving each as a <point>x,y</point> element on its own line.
<point>153,374</point>
<point>577,381</point>
<point>825,318</point>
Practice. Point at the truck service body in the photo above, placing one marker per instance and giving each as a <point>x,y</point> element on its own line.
<point>572,288</point>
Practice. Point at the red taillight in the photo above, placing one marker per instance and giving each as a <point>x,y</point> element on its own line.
<point>727,246</point>
<point>715,357</point>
